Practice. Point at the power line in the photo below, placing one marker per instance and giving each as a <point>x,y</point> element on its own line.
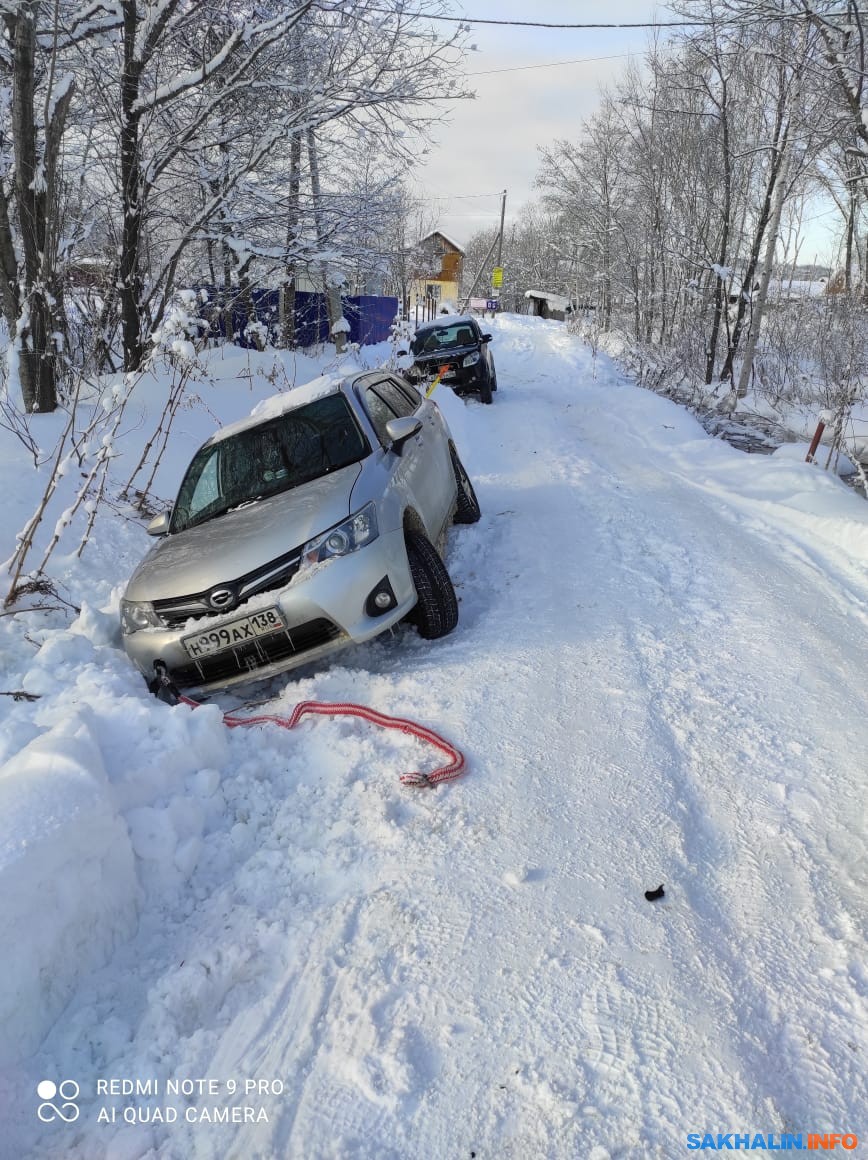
<point>468,20</point>
<point>549,64</point>
<point>460,196</point>
<point>596,24</point>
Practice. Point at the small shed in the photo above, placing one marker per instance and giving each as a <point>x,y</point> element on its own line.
<point>545,304</point>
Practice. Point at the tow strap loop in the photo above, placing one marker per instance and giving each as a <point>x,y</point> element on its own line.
<point>436,383</point>
<point>454,768</point>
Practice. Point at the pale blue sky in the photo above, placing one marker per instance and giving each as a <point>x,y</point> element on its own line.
<point>490,144</point>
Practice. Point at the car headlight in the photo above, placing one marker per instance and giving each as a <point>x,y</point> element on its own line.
<point>470,360</point>
<point>352,534</point>
<point>136,614</point>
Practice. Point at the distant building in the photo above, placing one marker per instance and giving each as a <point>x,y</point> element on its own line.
<point>438,266</point>
<point>544,304</point>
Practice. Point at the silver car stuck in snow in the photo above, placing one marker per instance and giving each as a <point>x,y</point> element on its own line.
<point>316,522</point>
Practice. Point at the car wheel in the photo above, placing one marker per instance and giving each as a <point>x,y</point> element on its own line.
<point>467,509</point>
<point>436,611</point>
<point>485,390</point>
<point>494,380</point>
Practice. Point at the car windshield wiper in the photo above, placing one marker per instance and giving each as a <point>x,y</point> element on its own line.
<point>244,503</point>
<point>214,514</point>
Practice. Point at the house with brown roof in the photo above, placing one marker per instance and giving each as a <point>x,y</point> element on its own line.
<point>438,266</point>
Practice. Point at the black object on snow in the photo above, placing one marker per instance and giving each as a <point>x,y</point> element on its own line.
<point>162,686</point>
<point>653,895</point>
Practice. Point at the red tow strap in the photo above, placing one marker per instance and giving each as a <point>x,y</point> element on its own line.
<point>456,764</point>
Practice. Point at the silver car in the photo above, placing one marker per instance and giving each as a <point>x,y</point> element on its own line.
<point>316,522</point>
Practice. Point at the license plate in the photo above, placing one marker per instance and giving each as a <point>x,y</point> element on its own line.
<point>235,632</point>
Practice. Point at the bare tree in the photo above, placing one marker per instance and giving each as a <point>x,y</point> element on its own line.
<point>31,145</point>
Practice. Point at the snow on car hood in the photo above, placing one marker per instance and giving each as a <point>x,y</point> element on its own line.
<point>231,545</point>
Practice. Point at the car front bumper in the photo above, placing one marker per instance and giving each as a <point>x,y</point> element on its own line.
<point>465,378</point>
<point>323,609</point>
<point>457,377</point>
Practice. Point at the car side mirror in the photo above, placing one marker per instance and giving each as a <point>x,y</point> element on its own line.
<point>159,525</point>
<point>486,338</point>
<point>400,430</point>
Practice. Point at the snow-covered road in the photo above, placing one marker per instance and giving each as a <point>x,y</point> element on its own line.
<point>659,677</point>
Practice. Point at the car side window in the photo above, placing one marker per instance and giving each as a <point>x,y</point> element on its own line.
<point>410,391</point>
<point>380,413</point>
<point>397,400</point>
<point>208,488</point>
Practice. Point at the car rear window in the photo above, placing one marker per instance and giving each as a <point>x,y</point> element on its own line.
<point>439,338</point>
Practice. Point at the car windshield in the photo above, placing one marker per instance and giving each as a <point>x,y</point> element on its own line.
<point>437,338</point>
<point>272,457</point>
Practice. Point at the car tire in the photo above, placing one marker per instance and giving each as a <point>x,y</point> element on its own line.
<point>494,380</point>
<point>485,391</point>
<point>467,509</point>
<point>436,611</point>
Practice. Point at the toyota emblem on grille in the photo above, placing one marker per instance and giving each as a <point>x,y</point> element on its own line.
<point>221,598</point>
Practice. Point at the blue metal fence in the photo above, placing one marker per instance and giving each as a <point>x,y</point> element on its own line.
<point>370,317</point>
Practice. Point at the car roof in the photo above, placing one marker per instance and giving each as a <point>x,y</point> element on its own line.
<point>446,320</point>
<point>291,400</point>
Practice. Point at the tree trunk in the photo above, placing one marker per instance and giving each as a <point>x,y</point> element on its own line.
<point>332,293</point>
<point>779,145</point>
<point>29,289</point>
<point>852,212</point>
<point>765,278</point>
<point>245,301</point>
<point>720,295</point>
<point>131,195</point>
<point>287,297</point>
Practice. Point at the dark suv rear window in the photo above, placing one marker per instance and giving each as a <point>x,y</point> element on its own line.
<point>438,338</point>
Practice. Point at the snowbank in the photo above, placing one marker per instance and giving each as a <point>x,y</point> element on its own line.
<point>68,888</point>
<point>797,453</point>
<point>657,677</point>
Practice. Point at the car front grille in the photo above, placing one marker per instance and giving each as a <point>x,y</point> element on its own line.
<point>264,650</point>
<point>455,372</point>
<point>276,574</point>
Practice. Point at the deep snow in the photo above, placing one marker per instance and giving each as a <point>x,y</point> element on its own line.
<point>658,677</point>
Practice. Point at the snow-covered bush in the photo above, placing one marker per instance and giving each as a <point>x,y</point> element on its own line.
<point>400,337</point>
<point>257,333</point>
<point>182,332</point>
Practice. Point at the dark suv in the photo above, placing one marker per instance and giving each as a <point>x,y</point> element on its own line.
<point>454,345</point>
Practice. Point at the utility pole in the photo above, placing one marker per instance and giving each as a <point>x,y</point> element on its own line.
<point>500,237</point>
<point>498,241</point>
<point>475,282</point>
<point>497,275</point>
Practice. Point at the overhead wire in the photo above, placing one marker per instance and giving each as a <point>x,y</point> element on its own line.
<point>549,64</point>
<point>470,20</point>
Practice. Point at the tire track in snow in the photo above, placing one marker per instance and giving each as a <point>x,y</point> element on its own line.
<point>557,483</point>
<point>735,876</point>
